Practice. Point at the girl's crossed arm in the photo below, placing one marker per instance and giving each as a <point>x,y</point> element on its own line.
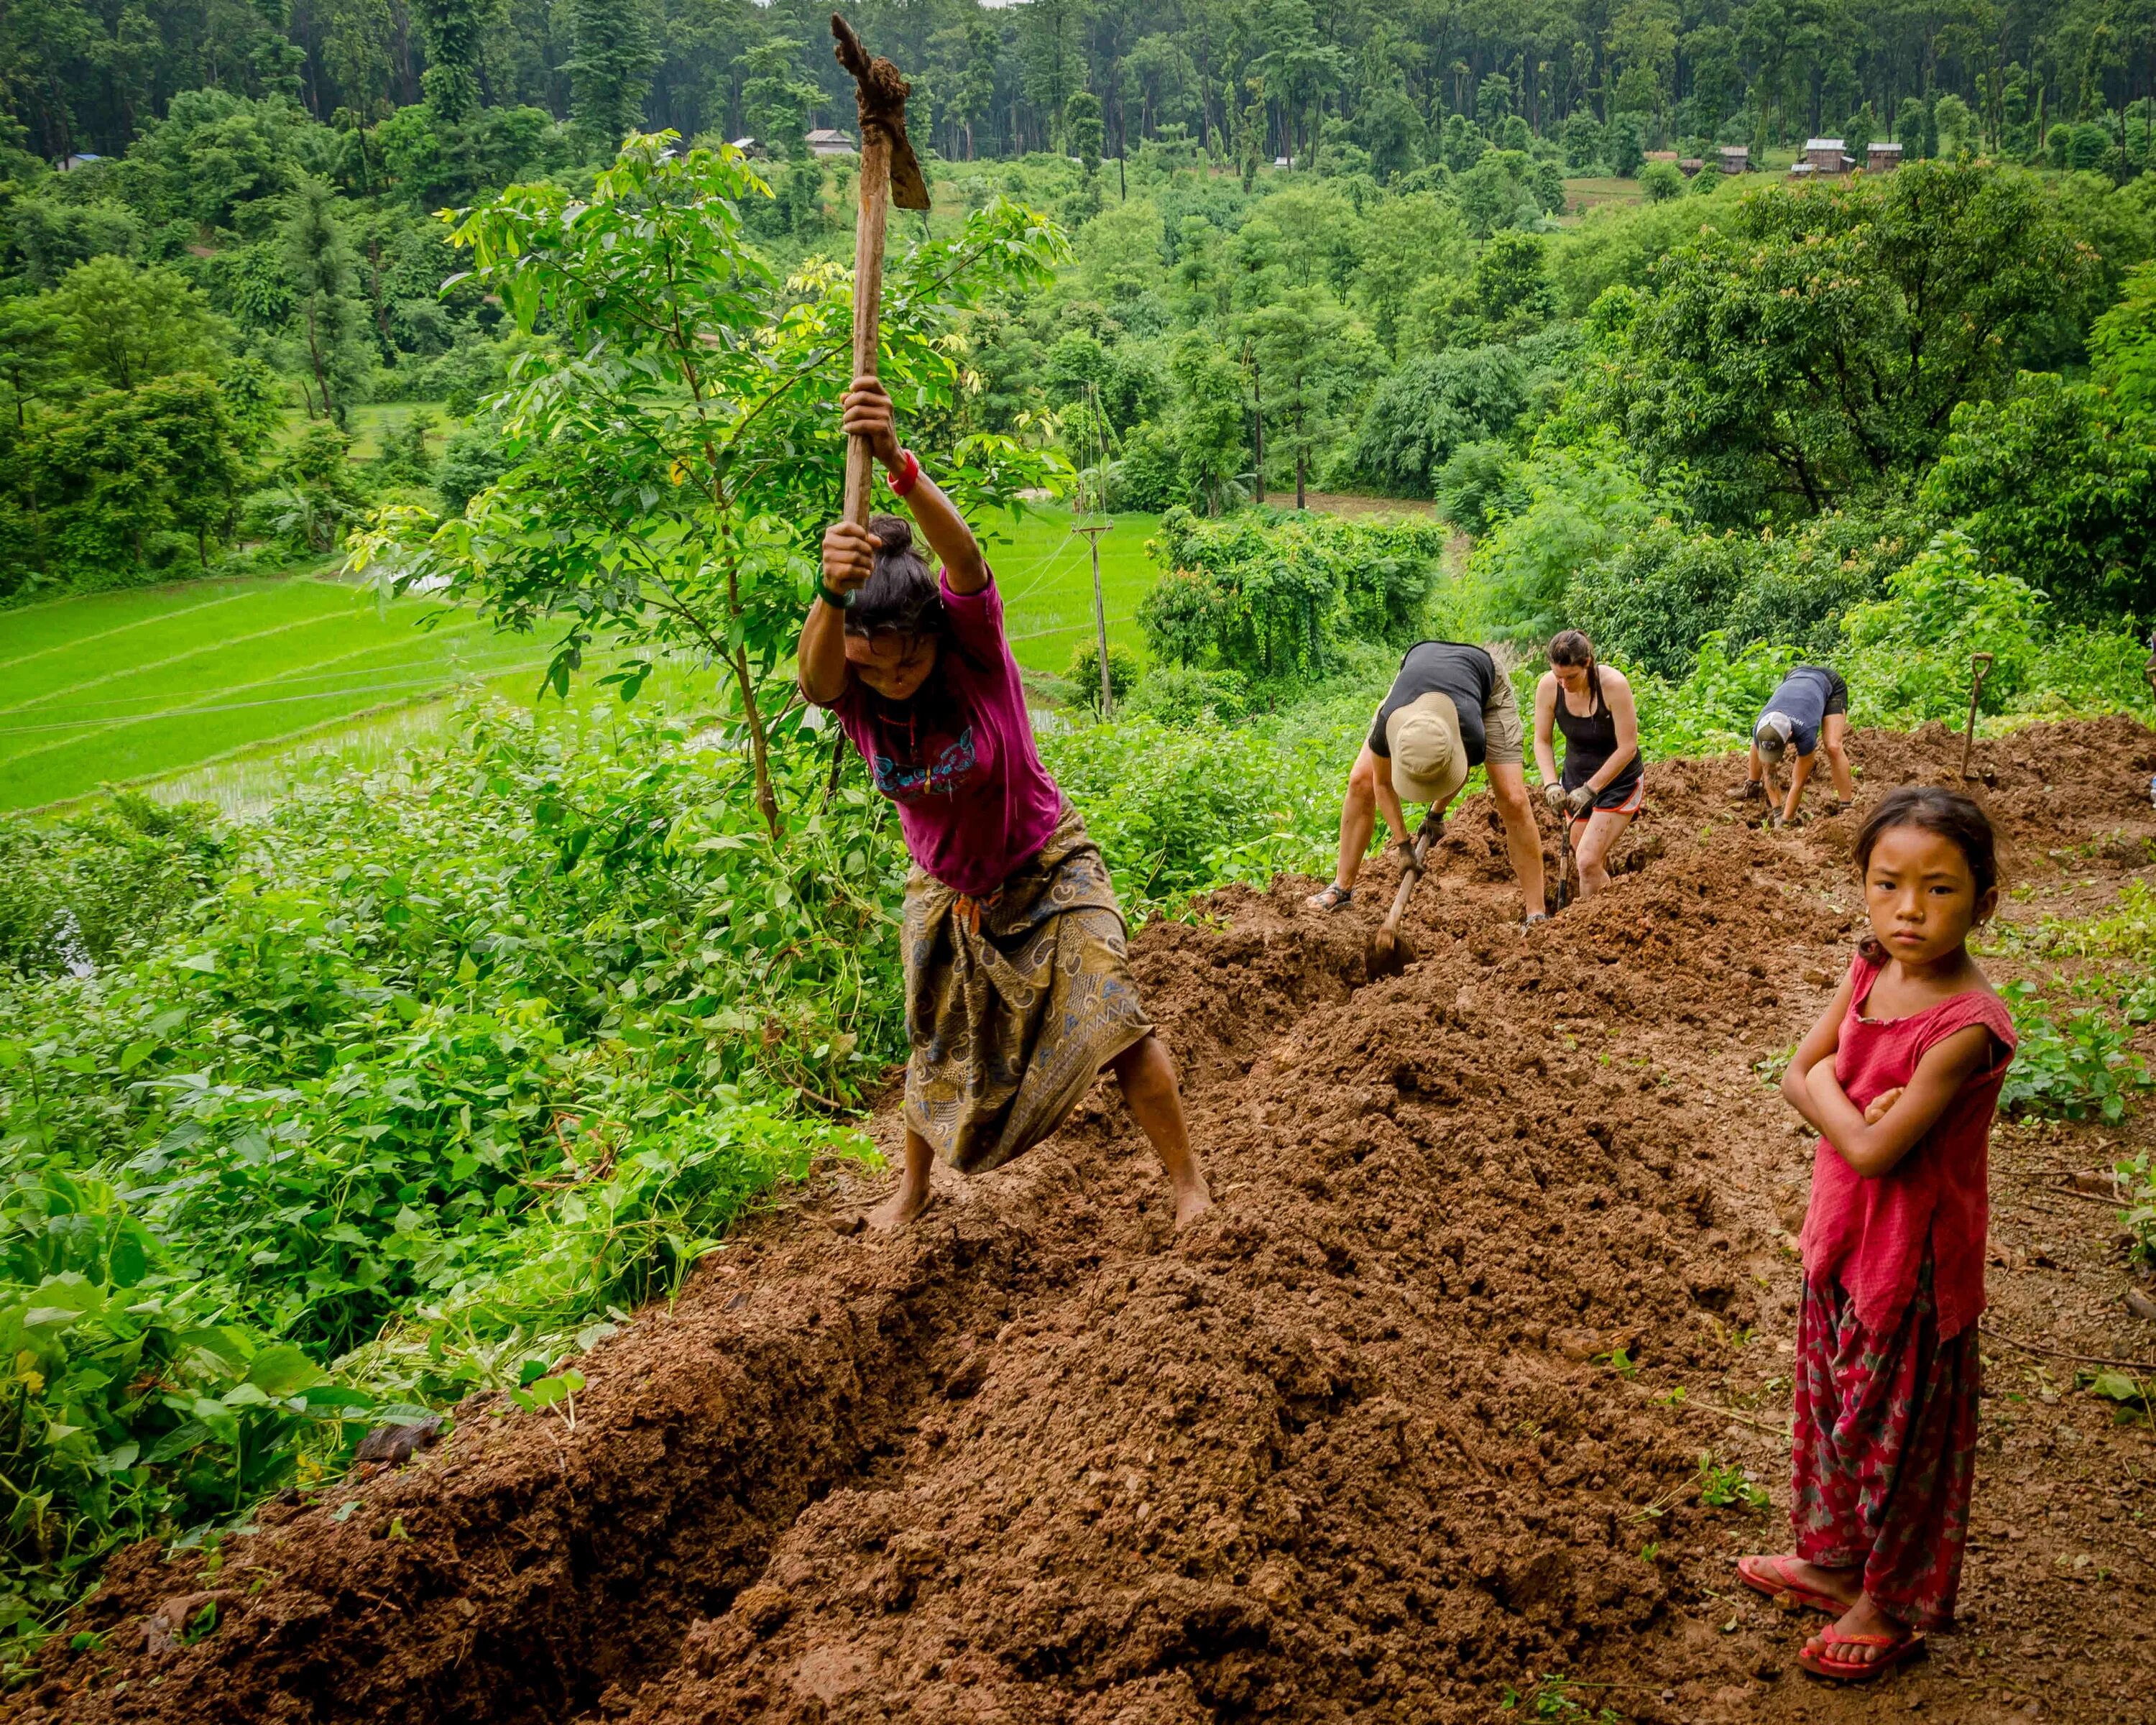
<point>1819,1044</point>
<point>1873,1141</point>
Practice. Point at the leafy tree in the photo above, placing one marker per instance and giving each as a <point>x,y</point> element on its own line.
<point>126,323</point>
<point>611,71</point>
<point>33,354</point>
<point>323,272</point>
<point>1082,128</point>
<point>110,490</point>
<point>454,33</point>
<point>1511,286</point>
<point>1820,347</point>
<point>1211,432</point>
<point>1314,363</point>
<point>1407,240</point>
<point>671,463</point>
<point>1432,406</point>
<point>774,97</point>
<point>1273,596</point>
<point>473,459</point>
<point>2057,484</point>
<point>1460,145</point>
<point>1627,154</point>
<point>317,495</point>
<point>1582,139</point>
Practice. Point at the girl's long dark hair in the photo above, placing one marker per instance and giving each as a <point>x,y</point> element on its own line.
<point>901,594</point>
<point>1952,815</point>
<point>1571,646</point>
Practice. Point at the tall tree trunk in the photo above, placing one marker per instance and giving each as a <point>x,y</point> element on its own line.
<point>315,353</point>
<point>1258,425</point>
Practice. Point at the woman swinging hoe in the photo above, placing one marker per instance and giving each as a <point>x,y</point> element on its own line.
<point>1018,989</point>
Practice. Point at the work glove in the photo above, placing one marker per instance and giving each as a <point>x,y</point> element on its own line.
<point>1553,795</point>
<point>1580,801</point>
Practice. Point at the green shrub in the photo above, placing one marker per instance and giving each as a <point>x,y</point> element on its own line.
<point>1084,671</point>
<point>1275,595</point>
<point>1178,695</point>
<point>1649,600</point>
<point>1662,181</point>
<point>2078,1067</point>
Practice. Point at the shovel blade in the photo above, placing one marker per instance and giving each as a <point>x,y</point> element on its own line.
<point>1387,953</point>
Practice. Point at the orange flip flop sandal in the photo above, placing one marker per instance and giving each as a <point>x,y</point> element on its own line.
<point>1817,1656</point>
<point>1766,1575</point>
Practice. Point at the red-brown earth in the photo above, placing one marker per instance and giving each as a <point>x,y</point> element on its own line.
<point>1359,1446</point>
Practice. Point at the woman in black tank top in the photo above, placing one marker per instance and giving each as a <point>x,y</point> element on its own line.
<point>1602,785</point>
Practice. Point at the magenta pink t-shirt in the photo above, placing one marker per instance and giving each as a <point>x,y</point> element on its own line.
<point>974,801</point>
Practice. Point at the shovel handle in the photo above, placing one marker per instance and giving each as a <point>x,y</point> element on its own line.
<point>868,296</point>
<point>1432,829</point>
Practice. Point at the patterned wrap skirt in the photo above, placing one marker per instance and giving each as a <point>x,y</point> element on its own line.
<point>1013,1002</point>
<point>1885,1432</point>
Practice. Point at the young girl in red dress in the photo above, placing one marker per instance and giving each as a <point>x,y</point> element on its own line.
<point>1900,1076</point>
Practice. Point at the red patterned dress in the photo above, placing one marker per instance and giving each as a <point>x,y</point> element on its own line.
<point>1888,1370</point>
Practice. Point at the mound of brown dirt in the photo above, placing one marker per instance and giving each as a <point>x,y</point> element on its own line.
<point>1391,1430</point>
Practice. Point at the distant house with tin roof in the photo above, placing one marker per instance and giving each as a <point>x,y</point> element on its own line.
<point>1826,155</point>
<point>829,140</point>
<point>1735,158</point>
<point>1882,157</point>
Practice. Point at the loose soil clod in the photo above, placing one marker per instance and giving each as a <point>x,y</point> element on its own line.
<point>1390,1429</point>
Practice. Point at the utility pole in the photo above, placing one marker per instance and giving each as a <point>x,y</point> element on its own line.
<point>1093,531</point>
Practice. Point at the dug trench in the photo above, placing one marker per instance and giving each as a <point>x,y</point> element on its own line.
<point>1408,1427</point>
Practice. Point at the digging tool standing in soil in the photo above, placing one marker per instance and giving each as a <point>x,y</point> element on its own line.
<point>1900,1076</point>
<point>1603,784</point>
<point>1449,710</point>
<point>1810,708</point>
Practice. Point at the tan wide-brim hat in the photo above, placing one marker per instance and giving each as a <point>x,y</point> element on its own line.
<point>1429,762</point>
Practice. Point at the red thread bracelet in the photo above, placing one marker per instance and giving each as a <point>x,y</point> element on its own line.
<point>908,477</point>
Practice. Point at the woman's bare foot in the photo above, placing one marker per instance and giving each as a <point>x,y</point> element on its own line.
<point>902,1206</point>
<point>1863,1617</point>
<point>911,1197</point>
<point>1193,1199</point>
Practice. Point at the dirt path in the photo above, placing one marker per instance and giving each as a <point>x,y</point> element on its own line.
<point>1361,1445</point>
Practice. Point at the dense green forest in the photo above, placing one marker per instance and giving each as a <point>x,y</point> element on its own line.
<point>416,1082</point>
<point>1394,85</point>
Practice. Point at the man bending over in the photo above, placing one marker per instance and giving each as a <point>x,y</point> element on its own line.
<point>1450,710</point>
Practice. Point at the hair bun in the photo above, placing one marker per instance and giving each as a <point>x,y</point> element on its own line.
<point>893,532</point>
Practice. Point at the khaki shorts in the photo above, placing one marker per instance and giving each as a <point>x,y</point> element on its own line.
<point>1505,740</point>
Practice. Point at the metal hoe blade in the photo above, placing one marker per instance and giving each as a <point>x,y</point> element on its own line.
<point>879,94</point>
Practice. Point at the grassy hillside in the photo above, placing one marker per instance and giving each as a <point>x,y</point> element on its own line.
<point>1046,574</point>
<point>118,686</point>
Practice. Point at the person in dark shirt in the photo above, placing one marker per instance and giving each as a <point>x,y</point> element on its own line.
<point>1604,783</point>
<point>1449,710</point>
<point>1810,707</point>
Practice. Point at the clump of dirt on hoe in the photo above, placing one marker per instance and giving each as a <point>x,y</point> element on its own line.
<point>1387,1432</point>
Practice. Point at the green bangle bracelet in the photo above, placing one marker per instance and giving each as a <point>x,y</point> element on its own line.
<point>836,601</point>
